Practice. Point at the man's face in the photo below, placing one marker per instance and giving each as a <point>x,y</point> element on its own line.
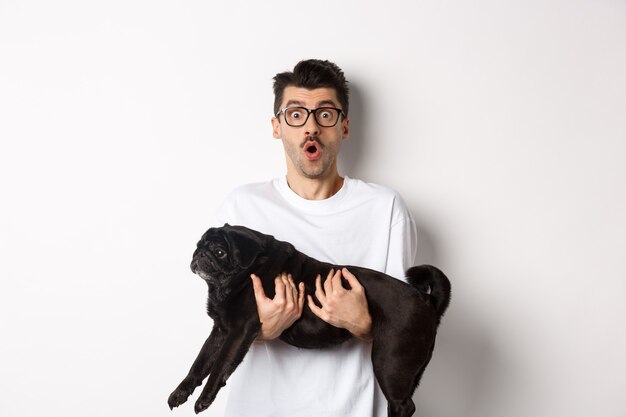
<point>311,149</point>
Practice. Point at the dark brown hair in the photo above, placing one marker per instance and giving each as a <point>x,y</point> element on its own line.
<point>311,74</point>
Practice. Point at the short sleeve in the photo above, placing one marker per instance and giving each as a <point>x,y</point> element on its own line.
<point>402,241</point>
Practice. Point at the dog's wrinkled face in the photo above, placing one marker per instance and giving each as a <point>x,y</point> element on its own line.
<point>223,252</point>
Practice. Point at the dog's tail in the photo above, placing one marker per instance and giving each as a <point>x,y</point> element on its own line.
<point>430,280</point>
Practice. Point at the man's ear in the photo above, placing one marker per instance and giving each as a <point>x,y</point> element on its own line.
<point>245,249</point>
<point>345,128</point>
<point>276,128</point>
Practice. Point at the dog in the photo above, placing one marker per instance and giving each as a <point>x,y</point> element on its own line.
<point>401,348</point>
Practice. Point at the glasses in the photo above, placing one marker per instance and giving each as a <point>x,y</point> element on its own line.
<point>298,116</point>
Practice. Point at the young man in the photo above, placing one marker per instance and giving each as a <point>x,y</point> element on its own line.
<point>331,218</point>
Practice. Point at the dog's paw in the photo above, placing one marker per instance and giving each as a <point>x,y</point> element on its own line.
<point>178,397</point>
<point>201,406</point>
<point>182,392</point>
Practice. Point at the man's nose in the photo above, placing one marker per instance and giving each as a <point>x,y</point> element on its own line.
<point>311,128</point>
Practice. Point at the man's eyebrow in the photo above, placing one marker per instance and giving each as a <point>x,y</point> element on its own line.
<point>294,103</point>
<point>326,103</point>
<point>319,103</point>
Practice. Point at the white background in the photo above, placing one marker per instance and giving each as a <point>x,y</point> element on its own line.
<point>123,124</point>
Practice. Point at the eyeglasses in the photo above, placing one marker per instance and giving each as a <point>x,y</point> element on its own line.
<point>324,116</point>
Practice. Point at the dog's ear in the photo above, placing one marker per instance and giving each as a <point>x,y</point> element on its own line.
<point>244,247</point>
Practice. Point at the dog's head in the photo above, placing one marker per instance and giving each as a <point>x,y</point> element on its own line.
<point>226,251</point>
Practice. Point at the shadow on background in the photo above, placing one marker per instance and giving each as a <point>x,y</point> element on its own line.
<point>355,148</point>
<point>460,378</point>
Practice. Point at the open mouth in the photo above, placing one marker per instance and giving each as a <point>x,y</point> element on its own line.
<point>312,150</point>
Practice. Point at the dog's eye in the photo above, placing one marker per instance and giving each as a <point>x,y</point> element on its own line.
<point>219,253</point>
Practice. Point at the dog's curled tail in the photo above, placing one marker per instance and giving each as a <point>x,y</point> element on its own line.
<point>430,280</point>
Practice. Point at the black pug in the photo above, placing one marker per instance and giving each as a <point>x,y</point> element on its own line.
<point>404,317</point>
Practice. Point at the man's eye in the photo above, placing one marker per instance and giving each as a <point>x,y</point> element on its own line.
<point>296,115</point>
<point>326,115</point>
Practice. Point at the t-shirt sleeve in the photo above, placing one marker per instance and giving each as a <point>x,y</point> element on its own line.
<point>225,212</point>
<point>402,243</point>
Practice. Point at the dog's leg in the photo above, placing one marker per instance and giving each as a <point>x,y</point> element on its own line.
<point>398,375</point>
<point>237,341</point>
<point>199,370</point>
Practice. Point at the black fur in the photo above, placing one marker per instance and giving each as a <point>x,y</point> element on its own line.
<point>404,317</point>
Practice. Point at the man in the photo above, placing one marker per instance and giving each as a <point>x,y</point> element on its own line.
<point>331,218</point>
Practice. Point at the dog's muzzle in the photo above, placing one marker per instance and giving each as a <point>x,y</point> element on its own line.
<point>200,264</point>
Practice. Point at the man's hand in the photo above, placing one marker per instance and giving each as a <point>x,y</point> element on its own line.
<point>283,310</point>
<point>342,308</point>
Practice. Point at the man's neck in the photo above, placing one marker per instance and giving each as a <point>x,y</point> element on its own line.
<point>315,189</point>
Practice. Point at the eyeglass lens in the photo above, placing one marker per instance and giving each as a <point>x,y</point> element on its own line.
<point>324,116</point>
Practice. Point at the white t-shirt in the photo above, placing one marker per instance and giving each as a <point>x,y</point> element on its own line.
<point>362,224</point>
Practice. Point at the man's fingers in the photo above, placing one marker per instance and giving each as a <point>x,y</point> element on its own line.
<point>319,292</point>
<point>336,281</point>
<point>300,298</point>
<point>298,293</point>
<point>259,293</point>
<point>314,308</point>
<point>290,295</point>
<point>279,285</point>
<point>351,278</point>
<point>328,283</point>
<point>292,288</point>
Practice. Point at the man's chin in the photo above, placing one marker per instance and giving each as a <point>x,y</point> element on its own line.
<point>315,170</point>
<point>314,175</point>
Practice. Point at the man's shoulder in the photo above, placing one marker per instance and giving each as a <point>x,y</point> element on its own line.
<point>379,196</point>
<point>254,189</point>
<point>244,201</point>
<point>373,189</point>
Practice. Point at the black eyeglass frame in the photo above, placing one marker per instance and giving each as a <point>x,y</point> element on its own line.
<point>308,114</point>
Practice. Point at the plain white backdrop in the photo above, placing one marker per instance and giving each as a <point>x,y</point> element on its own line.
<point>123,124</point>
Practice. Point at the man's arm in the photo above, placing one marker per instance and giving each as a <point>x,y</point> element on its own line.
<point>343,308</point>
